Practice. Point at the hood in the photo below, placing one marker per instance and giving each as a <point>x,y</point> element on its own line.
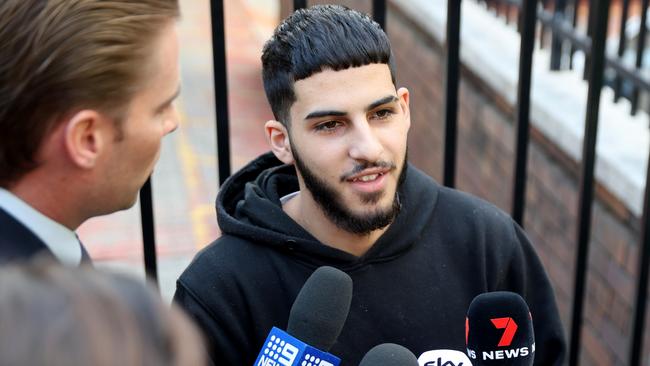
<point>248,207</point>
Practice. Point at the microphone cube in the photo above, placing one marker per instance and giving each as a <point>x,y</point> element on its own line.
<point>282,349</point>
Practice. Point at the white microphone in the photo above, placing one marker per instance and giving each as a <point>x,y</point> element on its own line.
<point>443,357</point>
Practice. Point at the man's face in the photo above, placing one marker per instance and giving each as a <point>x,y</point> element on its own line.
<point>348,138</point>
<point>151,116</point>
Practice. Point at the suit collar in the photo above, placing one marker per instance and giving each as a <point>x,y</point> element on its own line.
<point>17,242</point>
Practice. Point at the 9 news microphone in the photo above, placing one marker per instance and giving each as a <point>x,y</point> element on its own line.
<point>315,322</point>
<point>499,330</point>
<point>389,354</point>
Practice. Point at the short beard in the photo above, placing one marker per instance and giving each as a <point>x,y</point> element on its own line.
<point>334,208</point>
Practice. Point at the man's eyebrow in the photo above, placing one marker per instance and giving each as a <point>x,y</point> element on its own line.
<point>373,105</point>
<point>169,100</point>
<point>384,100</point>
<point>318,114</point>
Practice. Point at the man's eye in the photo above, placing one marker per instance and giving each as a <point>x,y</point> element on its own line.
<point>166,108</point>
<point>382,114</point>
<point>328,126</point>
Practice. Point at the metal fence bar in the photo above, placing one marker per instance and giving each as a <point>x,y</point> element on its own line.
<point>452,80</point>
<point>574,22</point>
<point>544,30</point>
<point>621,47</point>
<point>590,31</point>
<point>220,88</point>
<point>601,15</point>
<point>148,233</point>
<point>564,29</point>
<point>528,17</point>
<point>556,41</point>
<point>299,4</point>
<point>640,48</point>
<point>638,324</point>
<point>583,43</point>
<point>379,13</point>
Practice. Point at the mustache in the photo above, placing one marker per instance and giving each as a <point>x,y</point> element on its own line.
<point>367,165</point>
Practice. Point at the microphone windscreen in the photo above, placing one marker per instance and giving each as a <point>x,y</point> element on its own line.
<point>321,308</point>
<point>389,354</point>
<point>499,330</point>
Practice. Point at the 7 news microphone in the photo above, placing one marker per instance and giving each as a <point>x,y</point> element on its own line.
<point>315,322</point>
<point>499,330</point>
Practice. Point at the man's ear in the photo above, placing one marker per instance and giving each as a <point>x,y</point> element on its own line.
<point>84,137</point>
<point>404,101</point>
<point>277,136</point>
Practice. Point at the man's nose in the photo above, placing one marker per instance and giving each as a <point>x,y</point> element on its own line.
<point>171,122</point>
<point>364,143</point>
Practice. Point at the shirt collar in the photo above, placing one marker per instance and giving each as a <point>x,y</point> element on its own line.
<point>62,241</point>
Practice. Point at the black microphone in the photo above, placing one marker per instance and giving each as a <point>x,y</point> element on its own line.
<point>499,330</point>
<point>315,322</point>
<point>389,354</point>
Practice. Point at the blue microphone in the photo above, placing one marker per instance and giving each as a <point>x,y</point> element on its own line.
<point>315,322</point>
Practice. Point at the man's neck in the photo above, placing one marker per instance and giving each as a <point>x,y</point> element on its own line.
<point>53,202</point>
<point>310,216</point>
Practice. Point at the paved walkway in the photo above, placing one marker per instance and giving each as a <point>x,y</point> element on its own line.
<point>185,182</point>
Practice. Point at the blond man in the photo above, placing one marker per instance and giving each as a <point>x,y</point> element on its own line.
<point>86,95</point>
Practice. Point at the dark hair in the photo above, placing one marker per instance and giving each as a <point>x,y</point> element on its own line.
<point>57,316</point>
<point>62,55</point>
<point>317,38</point>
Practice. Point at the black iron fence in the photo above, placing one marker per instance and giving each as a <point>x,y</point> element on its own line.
<point>558,21</point>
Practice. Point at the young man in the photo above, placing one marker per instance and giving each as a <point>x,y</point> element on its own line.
<point>86,91</point>
<point>337,190</point>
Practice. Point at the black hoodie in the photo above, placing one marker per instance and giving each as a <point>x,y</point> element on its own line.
<point>413,287</point>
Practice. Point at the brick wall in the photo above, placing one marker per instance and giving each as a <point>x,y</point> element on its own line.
<point>484,168</point>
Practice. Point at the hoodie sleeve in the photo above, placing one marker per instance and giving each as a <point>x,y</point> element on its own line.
<point>527,276</point>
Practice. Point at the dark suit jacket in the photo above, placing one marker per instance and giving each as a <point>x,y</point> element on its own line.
<point>18,243</point>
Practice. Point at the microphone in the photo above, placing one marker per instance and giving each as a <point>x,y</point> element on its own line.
<point>443,357</point>
<point>389,354</point>
<point>499,330</point>
<point>316,319</point>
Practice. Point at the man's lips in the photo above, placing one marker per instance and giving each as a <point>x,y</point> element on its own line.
<point>368,175</point>
<point>371,180</point>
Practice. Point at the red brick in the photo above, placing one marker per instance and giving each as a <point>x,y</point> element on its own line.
<point>616,341</point>
<point>595,348</point>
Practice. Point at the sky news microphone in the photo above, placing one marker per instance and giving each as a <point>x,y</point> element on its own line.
<point>315,322</point>
<point>499,330</point>
<point>389,354</point>
<point>443,357</point>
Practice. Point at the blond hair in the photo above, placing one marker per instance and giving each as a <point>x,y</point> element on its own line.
<point>64,55</point>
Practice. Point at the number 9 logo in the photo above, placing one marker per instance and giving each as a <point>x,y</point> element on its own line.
<point>288,354</point>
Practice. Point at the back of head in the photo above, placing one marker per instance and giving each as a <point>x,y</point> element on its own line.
<point>314,39</point>
<point>59,56</point>
<point>51,315</point>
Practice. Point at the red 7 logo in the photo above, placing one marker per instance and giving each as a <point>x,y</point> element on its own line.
<point>510,329</point>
